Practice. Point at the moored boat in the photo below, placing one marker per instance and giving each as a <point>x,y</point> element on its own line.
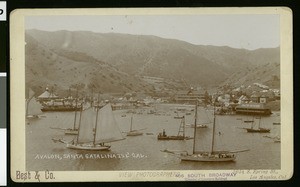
<point>93,135</point>
<point>180,135</point>
<point>206,156</point>
<point>133,132</point>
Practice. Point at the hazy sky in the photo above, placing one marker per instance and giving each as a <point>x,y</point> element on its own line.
<point>237,31</point>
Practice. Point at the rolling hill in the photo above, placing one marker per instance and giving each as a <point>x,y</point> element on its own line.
<point>115,62</point>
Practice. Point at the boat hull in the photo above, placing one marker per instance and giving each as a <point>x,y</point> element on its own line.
<point>134,133</point>
<point>88,147</point>
<point>261,130</point>
<point>197,126</point>
<point>60,109</point>
<point>173,138</point>
<point>71,132</point>
<point>32,117</point>
<point>211,158</point>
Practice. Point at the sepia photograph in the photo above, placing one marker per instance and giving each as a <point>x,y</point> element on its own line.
<point>151,94</point>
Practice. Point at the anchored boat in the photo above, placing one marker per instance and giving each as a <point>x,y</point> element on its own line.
<point>133,132</point>
<point>96,128</point>
<point>180,135</point>
<point>206,156</point>
<point>257,130</point>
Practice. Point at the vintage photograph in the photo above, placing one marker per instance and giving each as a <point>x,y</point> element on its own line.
<point>161,91</point>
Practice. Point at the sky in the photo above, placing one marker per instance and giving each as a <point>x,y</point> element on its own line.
<point>236,31</point>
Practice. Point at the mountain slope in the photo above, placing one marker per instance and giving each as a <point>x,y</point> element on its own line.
<point>46,67</point>
<point>133,56</point>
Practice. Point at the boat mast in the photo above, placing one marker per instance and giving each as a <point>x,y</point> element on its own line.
<point>92,98</point>
<point>183,123</point>
<point>259,122</point>
<point>131,122</point>
<point>195,124</point>
<point>75,109</point>
<point>97,111</point>
<point>213,133</point>
<point>79,121</point>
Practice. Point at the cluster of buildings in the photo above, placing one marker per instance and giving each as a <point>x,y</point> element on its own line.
<point>228,99</point>
<point>246,99</point>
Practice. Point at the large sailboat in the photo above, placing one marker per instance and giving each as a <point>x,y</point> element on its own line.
<point>96,128</point>
<point>208,156</point>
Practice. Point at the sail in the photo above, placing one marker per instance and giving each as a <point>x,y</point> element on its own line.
<point>76,120</point>
<point>107,129</point>
<point>202,117</point>
<point>87,125</point>
<point>33,107</point>
<point>30,93</point>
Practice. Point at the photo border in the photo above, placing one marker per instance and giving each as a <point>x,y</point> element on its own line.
<point>17,95</point>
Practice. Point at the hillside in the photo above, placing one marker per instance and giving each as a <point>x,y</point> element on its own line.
<point>114,62</point>
<point>267,74</point>
<point>68,69</point>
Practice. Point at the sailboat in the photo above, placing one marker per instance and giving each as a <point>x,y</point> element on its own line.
<point>133,132</point>
<point>97,126</point>
<point>33,109</point>
<point>178,117</point>
<point>74,130</point>
<point>180,135</point>
<point>199,125</point>
<point>212,155</point>
<point>276,139</point>
<point>259,129</point>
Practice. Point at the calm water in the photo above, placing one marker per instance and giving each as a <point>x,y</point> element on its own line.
<point>144,152</point>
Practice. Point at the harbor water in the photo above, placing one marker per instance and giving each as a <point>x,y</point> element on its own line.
<point>145,152</point>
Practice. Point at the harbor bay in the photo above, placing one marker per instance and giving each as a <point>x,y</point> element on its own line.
<point>146,152</point>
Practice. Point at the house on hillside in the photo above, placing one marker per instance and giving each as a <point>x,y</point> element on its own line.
<point>262,97</point>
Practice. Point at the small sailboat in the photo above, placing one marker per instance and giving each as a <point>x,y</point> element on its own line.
<point>276,123</point>
<point>259,129</point>
<point>177,116</point>
<point>276,139</point>
<point>96,128</point>
<point>133,132</point>
<point>33,108</point>
<point>180,135</point>
<point>197,126</point>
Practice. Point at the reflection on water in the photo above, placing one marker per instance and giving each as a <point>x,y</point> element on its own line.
<point>144,152</point>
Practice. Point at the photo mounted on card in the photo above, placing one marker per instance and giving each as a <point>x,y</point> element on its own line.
<point>168,94</point>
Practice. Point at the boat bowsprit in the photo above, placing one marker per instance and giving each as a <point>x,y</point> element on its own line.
<point>209,157</point>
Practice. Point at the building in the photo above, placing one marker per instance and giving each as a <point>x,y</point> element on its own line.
<point>47,96</point>
<point>253,109</point>
<point>189,96</point>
